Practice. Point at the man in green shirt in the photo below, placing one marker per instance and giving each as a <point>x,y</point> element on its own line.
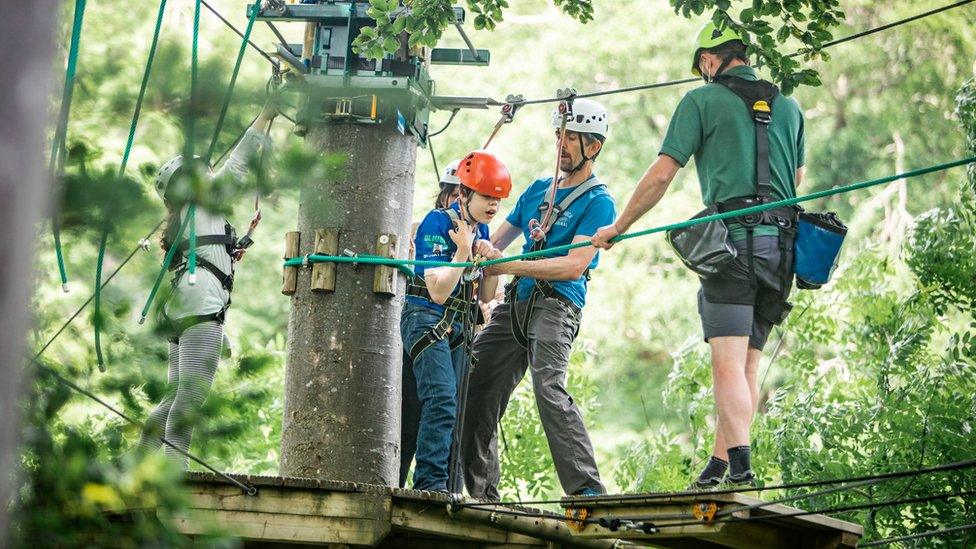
<point>720,128</point>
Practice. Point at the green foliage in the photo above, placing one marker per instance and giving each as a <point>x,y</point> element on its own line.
<point>73,494</point>
<point>424,21</point>
<point>874,373</point>
<point>809,22</point>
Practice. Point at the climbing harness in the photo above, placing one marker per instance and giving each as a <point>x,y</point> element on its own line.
<point>545,288</point>
<point>707,249</point>
<point>458,305</point>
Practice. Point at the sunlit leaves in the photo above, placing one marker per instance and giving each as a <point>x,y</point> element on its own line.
<point>773,29</point>
<point>423,21</point>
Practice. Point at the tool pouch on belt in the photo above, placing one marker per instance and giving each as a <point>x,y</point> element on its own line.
<point>705,248</point>
<point>819,237</point>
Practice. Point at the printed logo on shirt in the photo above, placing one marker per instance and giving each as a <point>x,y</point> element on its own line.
<point>434,239</point>
<point>564,219</point>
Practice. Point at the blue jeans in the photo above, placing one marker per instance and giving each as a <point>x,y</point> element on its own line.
<point>438,372</point>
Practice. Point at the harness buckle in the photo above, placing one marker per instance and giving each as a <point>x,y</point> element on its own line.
<point>761,112</point>
<point>244,242</point>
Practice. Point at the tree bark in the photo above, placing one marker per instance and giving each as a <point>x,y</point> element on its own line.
<point>26,43</point>
<point>342,388</point>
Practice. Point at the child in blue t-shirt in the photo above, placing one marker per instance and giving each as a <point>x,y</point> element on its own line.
<point>431,326</point>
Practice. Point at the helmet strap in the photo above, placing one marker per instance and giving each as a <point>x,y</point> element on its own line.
<point>583,158</point>
<point>726,60</point>
<point>466,210</point>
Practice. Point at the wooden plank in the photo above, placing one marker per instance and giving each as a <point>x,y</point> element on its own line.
<point>384,278</point>
<point>808,521</point>
<point>289,275</point>
<point>276,527</point>
<point>324,274</point>
<point>295,502</point>
<point>813,531</point>
<point>422,518</point>
<point>287,515</point>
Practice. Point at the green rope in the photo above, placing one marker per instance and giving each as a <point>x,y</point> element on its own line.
<point>96,314</point>
<point>191,261</point>
<point>371,259</point>
<point>162,271</point>
<point>256,9</point>
<point>59,143</point>
<point>194,66</point>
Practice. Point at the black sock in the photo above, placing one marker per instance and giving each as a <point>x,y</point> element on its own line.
<point>739,461</point>
<point>714,469</point>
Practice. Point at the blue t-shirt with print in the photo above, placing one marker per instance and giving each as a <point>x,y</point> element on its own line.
<point>589,212</point>
<point>433,243</point>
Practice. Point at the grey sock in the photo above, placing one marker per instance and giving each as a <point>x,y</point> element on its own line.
<point>714,469</point>
<point>739,461</point>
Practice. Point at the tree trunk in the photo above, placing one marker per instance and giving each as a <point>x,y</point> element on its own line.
<point>25,81</point>
<point>342,387</point>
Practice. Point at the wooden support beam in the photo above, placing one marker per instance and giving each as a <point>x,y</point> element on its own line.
<point>775,530</point>
<point>286,516</point>
<point>291,511</point>
<point>385,278</point>
<point>289,275</point>
<point>324,274</point>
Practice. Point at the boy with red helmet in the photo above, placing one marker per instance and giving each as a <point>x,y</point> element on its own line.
<point>438,301</point>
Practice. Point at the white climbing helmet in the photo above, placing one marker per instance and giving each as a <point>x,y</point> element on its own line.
<point>588,117</point>
<point>450,174</point>
<point>165,174</point>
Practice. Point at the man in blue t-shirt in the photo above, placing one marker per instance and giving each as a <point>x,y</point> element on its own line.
<point>539,320</point>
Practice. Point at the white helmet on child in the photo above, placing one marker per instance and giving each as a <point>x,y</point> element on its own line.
<point>588,117</point>
<point>450,174</point>
<point>164,176</point>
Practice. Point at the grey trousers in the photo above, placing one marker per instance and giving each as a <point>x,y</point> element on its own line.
<point>499,364</point>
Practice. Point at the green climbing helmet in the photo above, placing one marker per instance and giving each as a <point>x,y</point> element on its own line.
<point>710,37</point>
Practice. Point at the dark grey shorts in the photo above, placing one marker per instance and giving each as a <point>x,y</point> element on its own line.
<point>730,305</point>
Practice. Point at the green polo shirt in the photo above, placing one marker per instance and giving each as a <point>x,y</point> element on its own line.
<point>713,124</point>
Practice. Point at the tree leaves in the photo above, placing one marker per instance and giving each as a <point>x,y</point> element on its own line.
<point>426,20</point>
<point>772,27</point>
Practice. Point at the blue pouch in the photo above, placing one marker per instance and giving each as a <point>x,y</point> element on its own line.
<point>819,237</point>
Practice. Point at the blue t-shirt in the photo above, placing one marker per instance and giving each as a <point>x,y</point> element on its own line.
<point>589,212</point>
<point>433,243</point>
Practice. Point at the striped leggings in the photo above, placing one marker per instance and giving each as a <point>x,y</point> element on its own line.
<point>192,365</point>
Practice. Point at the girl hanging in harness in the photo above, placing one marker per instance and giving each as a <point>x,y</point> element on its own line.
<point>193,314</point>
<point>440,308</point>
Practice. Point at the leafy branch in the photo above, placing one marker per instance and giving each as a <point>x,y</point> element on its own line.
<point>424,21</point>
<point>772,26</point>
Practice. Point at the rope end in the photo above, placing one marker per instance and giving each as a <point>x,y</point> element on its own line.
<point>65,288</point>
<point>142,320</point>
<point>191,279</point>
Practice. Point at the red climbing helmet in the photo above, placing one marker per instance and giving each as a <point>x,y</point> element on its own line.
<point>483,172</point>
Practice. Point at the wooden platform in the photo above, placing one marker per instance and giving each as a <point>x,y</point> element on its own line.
<point>289,511</point>
<point>711,520</point>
